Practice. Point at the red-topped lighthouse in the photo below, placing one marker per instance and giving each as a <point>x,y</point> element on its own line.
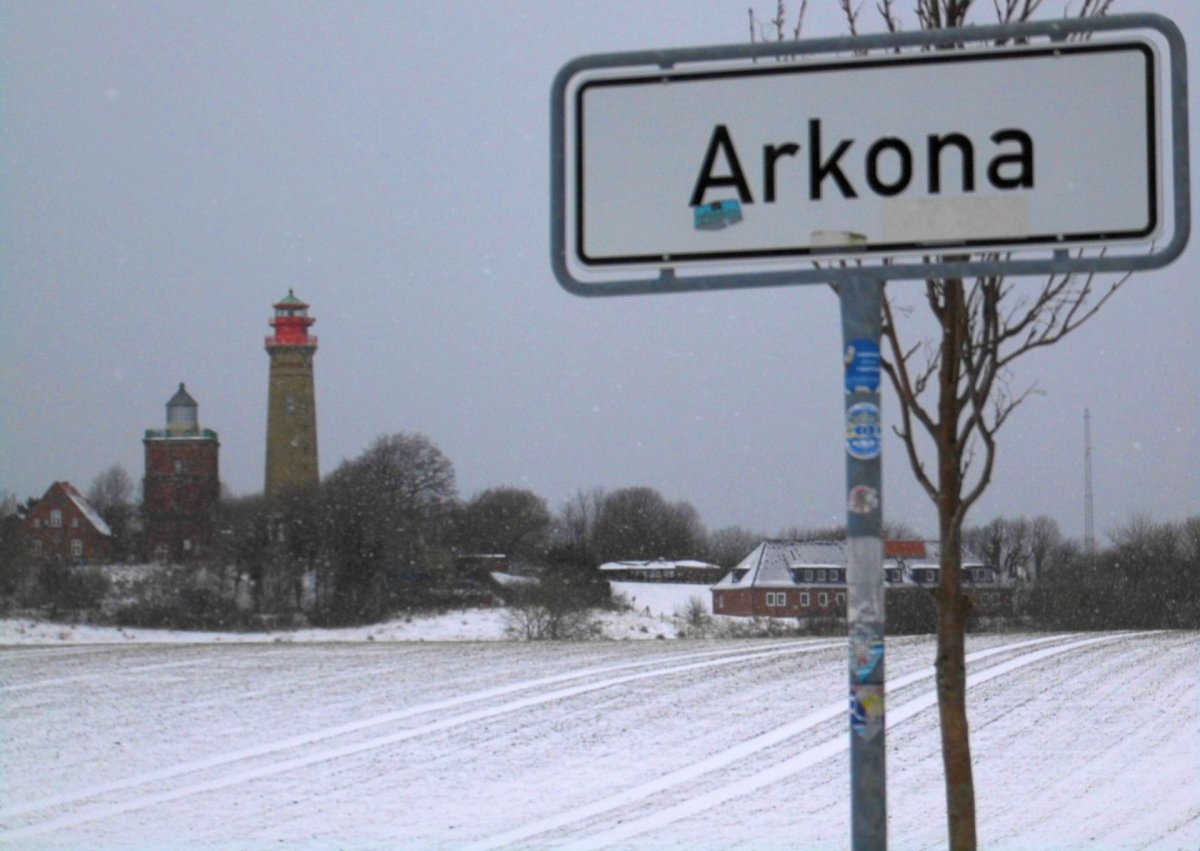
<point>291,402</point>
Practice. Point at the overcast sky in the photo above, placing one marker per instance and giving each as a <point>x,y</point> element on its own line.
<point>169,170</point>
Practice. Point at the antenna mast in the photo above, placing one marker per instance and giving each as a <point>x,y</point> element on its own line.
<point>1089,528</point>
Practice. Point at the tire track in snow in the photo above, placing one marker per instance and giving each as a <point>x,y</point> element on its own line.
<point>736,753</point>
<point>817,753</point>
<point>78,678</point>
<point>698,661</point>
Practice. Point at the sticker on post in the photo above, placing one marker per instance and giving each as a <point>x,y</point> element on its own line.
<point>866,709</point>
<point>863,499</point>
<point>864,437</point>
<point>862,365</point>
<point>866,652</point>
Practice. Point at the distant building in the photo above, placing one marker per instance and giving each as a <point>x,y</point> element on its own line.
<point>661,570</point>
<point>64,526</point>
<point>808,578</point>
<point>182,485</point>
<point>291,400</point>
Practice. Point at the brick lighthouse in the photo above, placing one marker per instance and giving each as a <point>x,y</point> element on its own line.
<point>291,400</point>
<point>182,486</point>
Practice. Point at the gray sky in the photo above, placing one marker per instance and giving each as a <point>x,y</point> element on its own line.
<point>169,170</point>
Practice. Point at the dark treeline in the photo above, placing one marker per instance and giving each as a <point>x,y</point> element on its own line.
<point>387,532</point>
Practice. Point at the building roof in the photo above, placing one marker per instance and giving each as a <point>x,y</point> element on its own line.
<point>772,563</point>
<point>289,300</point>
<point>769,564</point>
<point>181,398</point>
<point>657,564</point>
<point>89,512</point>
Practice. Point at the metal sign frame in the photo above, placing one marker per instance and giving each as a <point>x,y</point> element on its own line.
<point>848,260</point>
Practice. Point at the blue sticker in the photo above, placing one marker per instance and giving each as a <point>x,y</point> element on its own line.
<point>717,215</point>
<point>866,651</point>
<point>864,436</point>
<point>862,365</point>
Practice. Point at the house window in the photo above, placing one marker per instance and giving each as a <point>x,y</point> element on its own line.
<point>804,599</point>
<point>187,545</point>
<point>178,466</point>
<point>37,523</point>
<point>74,522</point>
<point>76,547</point>
<point>55,519</point>
<point>841,598</point>
<point>720,601</point>
<point>822,599</point>
<point>160,552</point>
<point>808,576</point>
<point>37,546</point>
<point>776,599</point>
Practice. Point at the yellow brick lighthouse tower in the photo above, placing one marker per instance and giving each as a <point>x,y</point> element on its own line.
<point>291,402</point>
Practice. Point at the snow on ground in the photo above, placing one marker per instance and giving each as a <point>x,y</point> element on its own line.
<point>468,625</point>
<point>652,616</point>
<point>662,599</point>
<point>1081,741</point>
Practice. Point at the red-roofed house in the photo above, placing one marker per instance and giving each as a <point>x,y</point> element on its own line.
<point>65,526</point>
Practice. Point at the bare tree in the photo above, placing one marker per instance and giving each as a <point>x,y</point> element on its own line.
<point>507,520</point>
<point>576,521</point>
<point>112,494</point>
<point>953,385</point>
<point>638,523</point>
<point>730,544</point>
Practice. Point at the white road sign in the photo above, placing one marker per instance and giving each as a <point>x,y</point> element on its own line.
<point>924,152</point>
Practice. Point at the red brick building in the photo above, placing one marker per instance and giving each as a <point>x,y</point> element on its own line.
<point>182,484</point>
<point>65,526</point>
<point>803,579</point>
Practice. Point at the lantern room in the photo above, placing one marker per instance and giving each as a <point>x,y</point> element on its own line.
<point>291,323</point>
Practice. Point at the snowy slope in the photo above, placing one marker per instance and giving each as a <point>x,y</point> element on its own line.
<point>1087,741</point>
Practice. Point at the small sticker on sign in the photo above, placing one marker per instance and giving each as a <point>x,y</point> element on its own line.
<point>864,437</point>
<point>717,215</point>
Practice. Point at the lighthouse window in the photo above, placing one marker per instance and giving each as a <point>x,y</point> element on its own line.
<point>291,404</point>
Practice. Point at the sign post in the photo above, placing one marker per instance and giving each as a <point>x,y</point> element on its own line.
<point>861,307</point>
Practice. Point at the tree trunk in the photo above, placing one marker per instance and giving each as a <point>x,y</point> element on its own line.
<point>952,605</point>
<point>953,608</point>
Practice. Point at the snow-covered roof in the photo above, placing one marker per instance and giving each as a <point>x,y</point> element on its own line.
<point>508,580</point>
<point>770,564</point>
<point>86,509</point>
<point>656,564</point>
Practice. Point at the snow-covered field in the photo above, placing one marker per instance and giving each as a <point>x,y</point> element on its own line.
<point>1081,741</point>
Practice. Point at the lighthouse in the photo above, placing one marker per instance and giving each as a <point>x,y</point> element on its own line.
<point>291,400</point>
<point>182,485</point>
